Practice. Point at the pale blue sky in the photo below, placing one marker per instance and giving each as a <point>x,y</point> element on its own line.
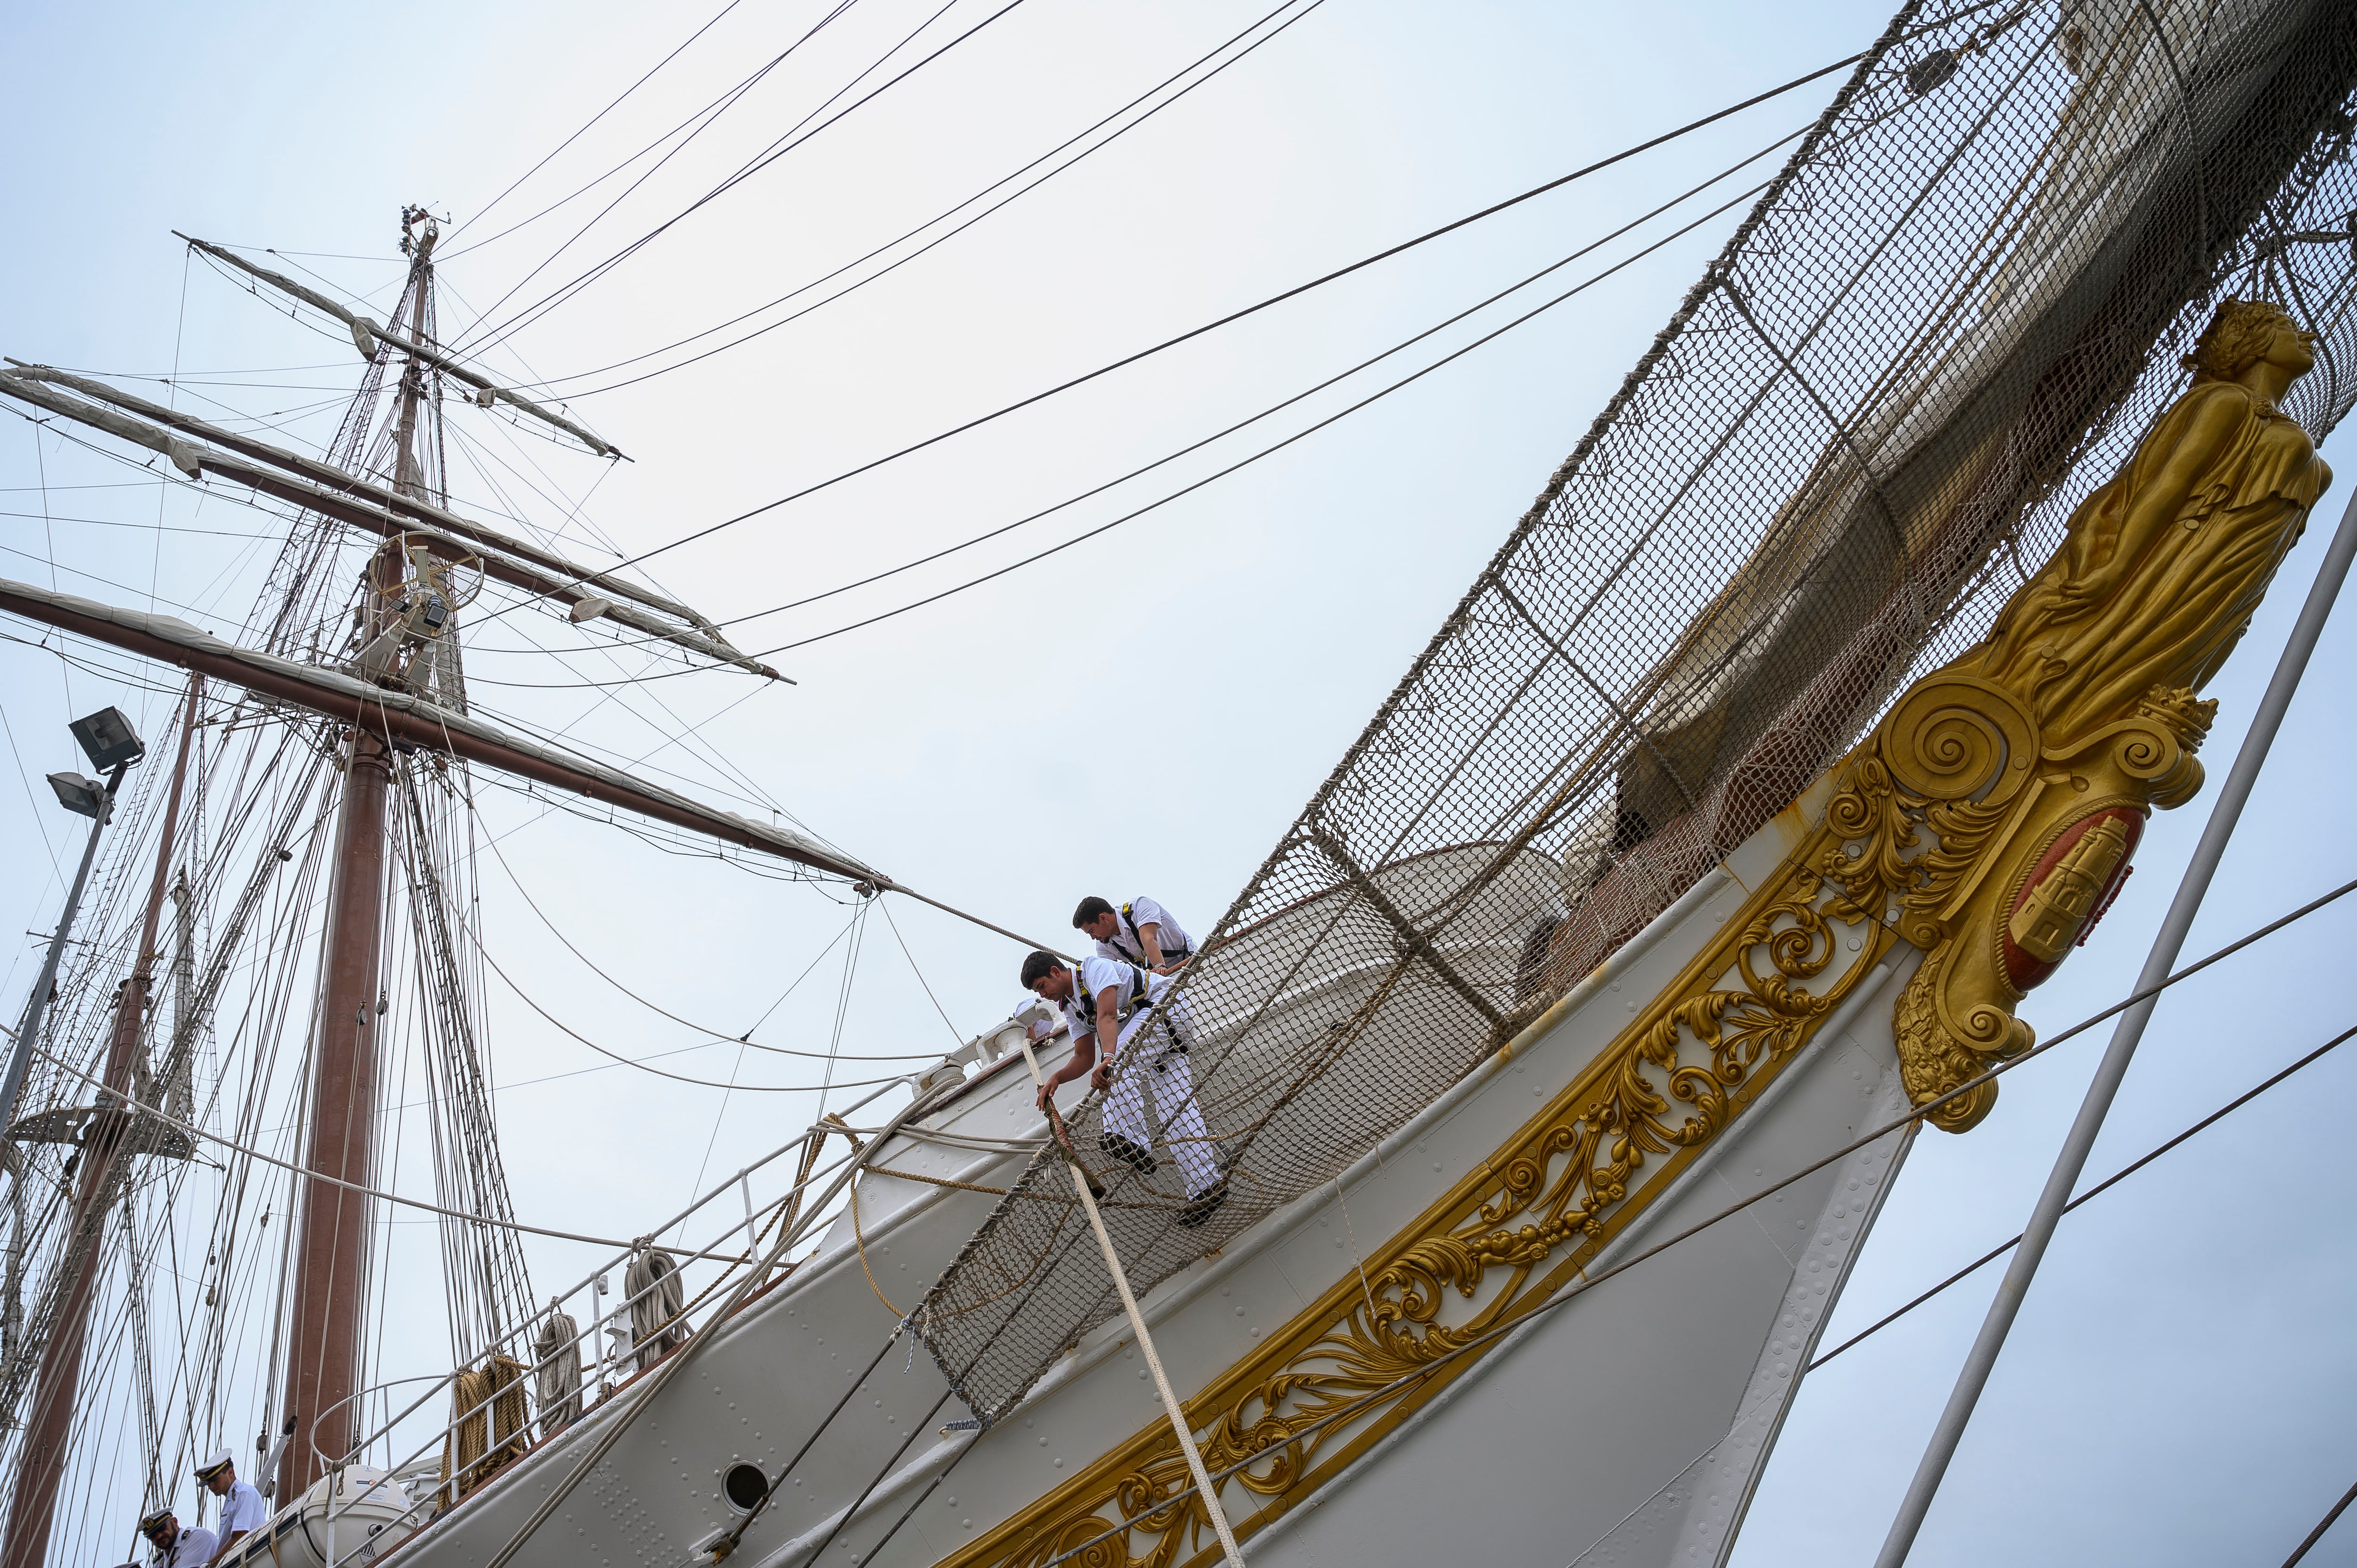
<point>2174,1392</point>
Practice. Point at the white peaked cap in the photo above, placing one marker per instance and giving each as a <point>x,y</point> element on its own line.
<point>214,1461</point>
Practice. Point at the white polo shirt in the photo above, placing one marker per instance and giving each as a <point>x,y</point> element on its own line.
<point>1126,944</point>
<point>192,1548</point>
<point>1098,973</point>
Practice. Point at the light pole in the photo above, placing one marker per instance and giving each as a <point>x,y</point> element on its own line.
<point>108,739</point>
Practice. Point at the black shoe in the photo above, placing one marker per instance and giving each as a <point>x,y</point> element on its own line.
<point>1203,1205</point>
<point>1130,1153</point>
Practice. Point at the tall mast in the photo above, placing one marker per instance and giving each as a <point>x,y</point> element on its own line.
<point>32,1508</point>
<point>331,1250</point>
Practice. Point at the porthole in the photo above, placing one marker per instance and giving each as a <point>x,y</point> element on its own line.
<point>744,1486</point>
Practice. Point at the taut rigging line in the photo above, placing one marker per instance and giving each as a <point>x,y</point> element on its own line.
<point>1244,462</point>
<point>484,210</point>
<point>309,1175</point>
<point>776,150</point>
<point>709,113</point>
<point>1235,316</point>
<point>556,1023</point>
<point>551,386</point>
<point>715,1036</point>
<point>2001,1249</point>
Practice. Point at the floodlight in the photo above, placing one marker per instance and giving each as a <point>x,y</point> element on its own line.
<point>108,739</point>
<point>82,797</point>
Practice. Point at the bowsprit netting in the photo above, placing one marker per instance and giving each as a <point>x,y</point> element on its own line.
<point>1950,317</point>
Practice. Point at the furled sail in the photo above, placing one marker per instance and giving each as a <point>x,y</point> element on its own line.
<point>1969,284</point>
<point>407,720</point>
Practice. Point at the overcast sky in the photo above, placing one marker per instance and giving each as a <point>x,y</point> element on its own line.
<point>2174,1393</point>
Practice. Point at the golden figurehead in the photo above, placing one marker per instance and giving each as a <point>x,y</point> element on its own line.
<point>1993,813</point>
<point>2160,569</point>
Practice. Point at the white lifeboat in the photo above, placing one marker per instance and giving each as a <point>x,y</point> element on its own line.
<point>366,1504</point>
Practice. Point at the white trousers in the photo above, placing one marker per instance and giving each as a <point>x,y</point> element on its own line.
<point>1170,1083</point>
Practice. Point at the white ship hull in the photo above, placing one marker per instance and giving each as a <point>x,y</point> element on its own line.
<point>1630,1425</point>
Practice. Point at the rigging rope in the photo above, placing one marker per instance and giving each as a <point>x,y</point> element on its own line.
<point>1250,420</point>
<point>777,149</point>
<point>717,1037</point>
<point>677,1077</point>
<point>1274,299</point>
<point>939,218</point>
<point>310,1175</point>
<point>484,210</point>
<point>2331,1515</point>
<point>1275,447</point>
<point>707,116</point>
<point>1244,463</point>
<point>2002,1248</point>
<point>920,974</point>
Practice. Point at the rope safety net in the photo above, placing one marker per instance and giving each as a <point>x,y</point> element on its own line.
<point>1951,315</point>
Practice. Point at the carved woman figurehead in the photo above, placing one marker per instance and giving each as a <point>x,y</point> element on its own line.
<point>2160,568</point>
<point>2046,746</point>
<point>2245,335</point>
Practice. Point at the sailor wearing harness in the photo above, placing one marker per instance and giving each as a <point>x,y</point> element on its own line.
<point>175,1547</point>
<point>1107,1000</point>
<point>241,1510</point>
<point>1140,933</point>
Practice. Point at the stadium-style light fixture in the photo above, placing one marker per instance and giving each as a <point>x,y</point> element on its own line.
<point>112,745</point>
<point>109,741</point>
<point>82,797</point>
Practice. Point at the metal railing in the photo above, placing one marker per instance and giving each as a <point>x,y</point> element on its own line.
<point>448,1492</point>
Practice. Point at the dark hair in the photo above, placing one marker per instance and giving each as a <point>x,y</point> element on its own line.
<point>1092,907</point>
<point>1039,964</point>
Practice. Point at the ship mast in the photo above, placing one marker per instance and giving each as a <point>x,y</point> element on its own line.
<point>332,1246</point>
<point>32,1508</point>
<point>396,689</point>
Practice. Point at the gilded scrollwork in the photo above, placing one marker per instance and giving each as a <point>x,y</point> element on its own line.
<point>1987,819</point>
<point>1538,1208</point>
<point>1957,861</point>
<point>1994,811</point>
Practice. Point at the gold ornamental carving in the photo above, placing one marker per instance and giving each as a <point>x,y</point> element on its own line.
<point>1988,821</point>
<point>1502,1241</point>
<point>1993,813</point>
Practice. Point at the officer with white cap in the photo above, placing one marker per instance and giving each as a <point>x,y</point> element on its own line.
<point>243,1511</point>
<point>174,1546</point>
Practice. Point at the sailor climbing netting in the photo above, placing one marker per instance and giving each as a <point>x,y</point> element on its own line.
<point>1955,309</point>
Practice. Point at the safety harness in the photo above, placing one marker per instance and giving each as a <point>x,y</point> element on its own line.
<point>1131,999</point>
<point>1169,955</point>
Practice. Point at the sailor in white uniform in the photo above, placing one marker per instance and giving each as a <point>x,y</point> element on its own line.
<point>243,1510</point>
<point>1140,933</point>
<point>174,1547</point>
<point>1104,997</point>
